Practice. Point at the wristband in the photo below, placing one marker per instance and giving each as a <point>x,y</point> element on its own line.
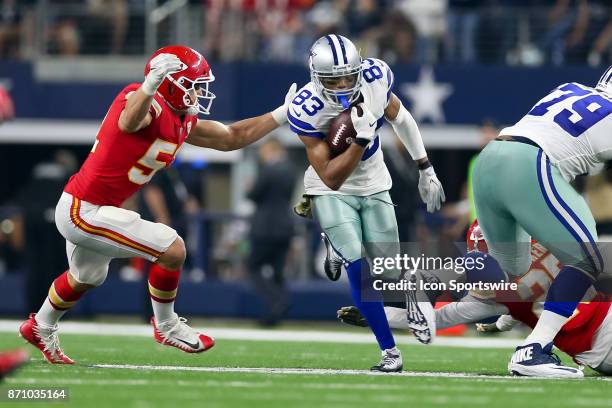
<point>425,165</point>
<point>362,141</point>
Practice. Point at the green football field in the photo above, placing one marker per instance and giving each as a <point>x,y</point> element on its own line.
<point>134,371</point>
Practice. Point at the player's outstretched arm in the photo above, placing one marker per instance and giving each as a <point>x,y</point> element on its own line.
<point>407,130</point>
<point>135,116</point>
<point>334,172</point>
<point>216,135</point>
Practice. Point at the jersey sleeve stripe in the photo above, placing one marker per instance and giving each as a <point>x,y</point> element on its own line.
<point>301,132</point>
<point>307,127</point>
<point>390,81</point>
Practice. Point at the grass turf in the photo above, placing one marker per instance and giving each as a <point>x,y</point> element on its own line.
<point>99,387</point>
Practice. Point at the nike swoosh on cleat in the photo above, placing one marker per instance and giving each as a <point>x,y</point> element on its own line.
<point>194,346</point>
<point>371,124</point>
<point>571,370</point>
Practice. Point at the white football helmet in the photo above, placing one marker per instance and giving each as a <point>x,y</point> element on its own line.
<point>604,85</point>
<point>335,60</point>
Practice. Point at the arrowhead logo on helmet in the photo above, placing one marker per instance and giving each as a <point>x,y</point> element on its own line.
<point>186,90</point>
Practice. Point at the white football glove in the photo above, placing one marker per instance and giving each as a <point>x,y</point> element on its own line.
<point>431,189</point>
<point>280,114</point>
<point>365,125</point>
<point>503,323</point>
<point>161,65</point>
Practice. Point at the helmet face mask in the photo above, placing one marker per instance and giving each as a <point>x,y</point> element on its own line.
<point>604,85</point>
<point>187,90</point>
<point>335,70</point>
<point>203,99</point>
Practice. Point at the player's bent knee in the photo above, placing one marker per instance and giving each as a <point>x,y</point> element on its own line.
<point>87,277</point>
<point>174,257</point>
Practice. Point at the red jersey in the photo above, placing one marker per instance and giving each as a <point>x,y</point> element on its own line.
<point>120,163</point>
<point>576,335</point>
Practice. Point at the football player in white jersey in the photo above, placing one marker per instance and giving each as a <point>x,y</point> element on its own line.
<point>350,192</point>
<point>521,190</point>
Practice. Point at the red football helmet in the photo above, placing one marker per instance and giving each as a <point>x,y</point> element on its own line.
<point>475,239</point>
<point>178,89</point>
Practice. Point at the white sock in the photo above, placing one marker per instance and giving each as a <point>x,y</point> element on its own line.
<point>48,315</point>
<point>549,324</point>
<point>163,311</point>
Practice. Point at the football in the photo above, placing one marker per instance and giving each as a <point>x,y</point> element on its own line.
<point>341,132</point>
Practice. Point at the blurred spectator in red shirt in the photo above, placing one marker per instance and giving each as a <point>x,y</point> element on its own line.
<point>7,108</point>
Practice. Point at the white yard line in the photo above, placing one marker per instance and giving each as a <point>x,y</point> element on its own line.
<point>320,371</point>
<point>227,333</point>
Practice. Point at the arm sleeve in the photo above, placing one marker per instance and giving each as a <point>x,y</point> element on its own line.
<point>408,132</point>
<point>468,310</point>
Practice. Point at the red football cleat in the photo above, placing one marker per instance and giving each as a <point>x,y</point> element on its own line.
<point>176,333</point>
<point>45,339</point>
<point>11,360</point>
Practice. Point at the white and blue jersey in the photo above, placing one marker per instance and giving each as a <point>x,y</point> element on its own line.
<point>572,125</point>
<point>310,115</point>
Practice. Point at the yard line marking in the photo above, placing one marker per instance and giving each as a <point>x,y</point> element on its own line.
<point>228,333</point>
<point>322,371</point>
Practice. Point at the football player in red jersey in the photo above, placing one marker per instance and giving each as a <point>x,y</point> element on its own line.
<point>587,336</point>
<point>145,126</point>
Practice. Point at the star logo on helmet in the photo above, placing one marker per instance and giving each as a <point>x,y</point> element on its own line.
<point>313,54</point>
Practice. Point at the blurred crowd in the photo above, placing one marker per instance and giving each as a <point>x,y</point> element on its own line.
<point>526,32</point>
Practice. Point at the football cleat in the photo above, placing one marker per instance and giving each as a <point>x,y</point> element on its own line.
<point>45,339</point>
<point>12,360</point>
<point>351,315</point>
<point>391,361</point>
<point>534,361</point>
<point>176,333</point>
<point>421,317</point>
<point>333,262</point>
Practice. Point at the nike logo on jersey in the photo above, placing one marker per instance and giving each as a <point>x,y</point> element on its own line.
<point>295,113</point>
<point>194,346</point>
<point>371,124</point>
<point>522,355</point>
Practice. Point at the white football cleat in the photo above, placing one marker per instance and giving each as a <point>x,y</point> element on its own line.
<point>45,339</point>
<point>176,333</point>
<point>391,361</point>
<point>533,360</point>
<point>421,317</point>
<point>333,261</point>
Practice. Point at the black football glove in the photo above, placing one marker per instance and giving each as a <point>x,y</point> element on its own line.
<point>351,315</point>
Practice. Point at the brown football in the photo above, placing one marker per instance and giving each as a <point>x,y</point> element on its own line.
<point>341,132</point>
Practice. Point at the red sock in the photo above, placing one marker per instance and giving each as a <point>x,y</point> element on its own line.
<point>61,295</point>
<point>163,284</point>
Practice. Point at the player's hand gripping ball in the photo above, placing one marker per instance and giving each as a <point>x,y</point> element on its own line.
<point>347,126</point>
